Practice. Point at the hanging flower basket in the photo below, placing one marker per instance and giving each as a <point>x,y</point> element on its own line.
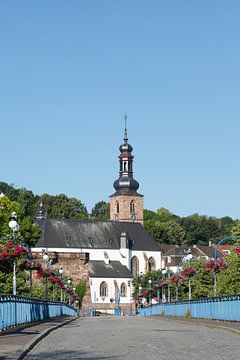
<point>177,279</point>
<point>216,265</point>
<point>188,272</point>
<point>238,249</point>
<point>30,265</point>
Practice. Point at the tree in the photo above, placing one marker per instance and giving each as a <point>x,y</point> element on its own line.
<point>228,280</point>
<point>81,289</point>
<point>29,232</point>
<point>62,207</point>
<point>101,211</point>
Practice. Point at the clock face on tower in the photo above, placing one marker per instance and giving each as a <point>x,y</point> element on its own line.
<point>133,217</point>
<point>116,218</point>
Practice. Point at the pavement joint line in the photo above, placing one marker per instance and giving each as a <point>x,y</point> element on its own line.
<point>30,345</point>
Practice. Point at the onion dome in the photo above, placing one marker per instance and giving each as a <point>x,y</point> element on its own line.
<point>126,184</point>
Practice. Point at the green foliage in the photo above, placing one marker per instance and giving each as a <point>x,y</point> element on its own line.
<point>188,314</point>
<point>101,211</point>
<point>62,207</point>
<point>81,289</point>
<point>142,280</point>
<point>228,280</point>
<point>29,232</point>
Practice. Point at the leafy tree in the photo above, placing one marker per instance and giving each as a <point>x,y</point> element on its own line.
<point>81,289</point>
<point>62,207</point>
<point>29,232</point>
<point>228,280</point>
<point>149,215</point>
<point>101,211</point>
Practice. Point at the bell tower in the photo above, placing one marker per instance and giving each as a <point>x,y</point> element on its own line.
<point>126,204</point>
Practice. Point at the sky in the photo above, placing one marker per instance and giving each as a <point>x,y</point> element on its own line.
<point>69,72</point>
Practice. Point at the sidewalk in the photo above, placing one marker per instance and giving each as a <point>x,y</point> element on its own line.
<point>15,343</point>
<point>233,326</point>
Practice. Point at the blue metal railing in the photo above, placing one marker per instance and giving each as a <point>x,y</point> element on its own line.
<point>18,310</point>
<point>219,308</point>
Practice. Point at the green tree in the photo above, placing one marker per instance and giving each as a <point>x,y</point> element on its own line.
<point>62,207</point>
<point>101,211</point>
<point>81,289</point>
<point>228,280</point>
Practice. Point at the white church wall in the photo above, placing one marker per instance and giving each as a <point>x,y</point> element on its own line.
<point>95,290</point>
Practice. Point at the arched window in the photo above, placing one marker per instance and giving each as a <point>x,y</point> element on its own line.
<point>132,207</point>
<point>123,290</point>
<point>125,165</point>
<point>134,266</point>
<point>117,206</point>
<point>151,264</point>
<point>103,289</point>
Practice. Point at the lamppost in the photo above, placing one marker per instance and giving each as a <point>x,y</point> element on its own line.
<point>46,259</point>
<point>188,259</point>
<point>69,297</point>
<point>150,294</point>
<point>14,227</point>
<point>61,274</point>
<point>164,272</point>
<point>215,258</point>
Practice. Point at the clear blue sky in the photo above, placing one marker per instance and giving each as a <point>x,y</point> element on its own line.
<point>70,70</point>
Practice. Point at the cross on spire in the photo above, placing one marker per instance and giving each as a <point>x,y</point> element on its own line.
<point>125,132</point>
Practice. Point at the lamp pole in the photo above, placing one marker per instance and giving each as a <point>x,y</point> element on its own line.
<point>61,274</point>
<point>150,295</point>
<point>69,282</point>
<point>215,258</point>
<point>164,272</point>
<point>46,259</point>
<point>14,227</point>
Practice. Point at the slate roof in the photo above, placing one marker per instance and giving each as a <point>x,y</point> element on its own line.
<point>94,234</point>
<point>114,269</point>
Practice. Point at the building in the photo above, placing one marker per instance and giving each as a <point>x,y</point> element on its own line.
<point>107,254</point>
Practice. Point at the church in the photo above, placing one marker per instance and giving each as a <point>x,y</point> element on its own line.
<point>106,254</point>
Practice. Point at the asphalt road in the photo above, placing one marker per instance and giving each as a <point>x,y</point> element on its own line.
<point>137,338</point>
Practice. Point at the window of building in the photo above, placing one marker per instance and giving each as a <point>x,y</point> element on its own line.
<point>103,289</point>
<point>151,264</point>
<point>132,207</point>
<point>134,266</point>
<point>117,206</point>
<point>123,290</point>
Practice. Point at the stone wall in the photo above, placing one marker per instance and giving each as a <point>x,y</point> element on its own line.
<point>124,208</point>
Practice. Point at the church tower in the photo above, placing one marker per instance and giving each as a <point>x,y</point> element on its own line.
<point>126,204</point>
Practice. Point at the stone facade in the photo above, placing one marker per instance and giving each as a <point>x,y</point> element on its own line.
<point>120,208</point>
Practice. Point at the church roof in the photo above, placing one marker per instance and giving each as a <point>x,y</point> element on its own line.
<point>112,270</point>
<point>93,234</point>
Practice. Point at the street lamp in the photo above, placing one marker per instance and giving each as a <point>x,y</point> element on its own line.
<point>46,259</point>
<point>69,297</point>
<point>14,227</point>
<point>150,294</point>
<point>61,274</point>
<point>188,259</point>
<point>164,272</point>
<point>215,258</point>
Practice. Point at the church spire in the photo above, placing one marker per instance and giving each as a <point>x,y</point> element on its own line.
<point>126,204</point>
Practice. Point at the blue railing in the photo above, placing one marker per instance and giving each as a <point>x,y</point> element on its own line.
<point>19,310</point>
<point>220,308</point>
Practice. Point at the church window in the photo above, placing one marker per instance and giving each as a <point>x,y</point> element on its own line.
<point>132,207</point>
<point>123,290</point>
<point>103,289</point>
<point>125,165</point>
<point>151,264</point>
<point>135,266</point>
<point>117,206</point>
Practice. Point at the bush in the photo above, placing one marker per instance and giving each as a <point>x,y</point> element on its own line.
<point>188,314</point>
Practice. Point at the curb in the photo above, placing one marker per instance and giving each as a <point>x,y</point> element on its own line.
<point>202,323</point>
<point>30,345</point>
